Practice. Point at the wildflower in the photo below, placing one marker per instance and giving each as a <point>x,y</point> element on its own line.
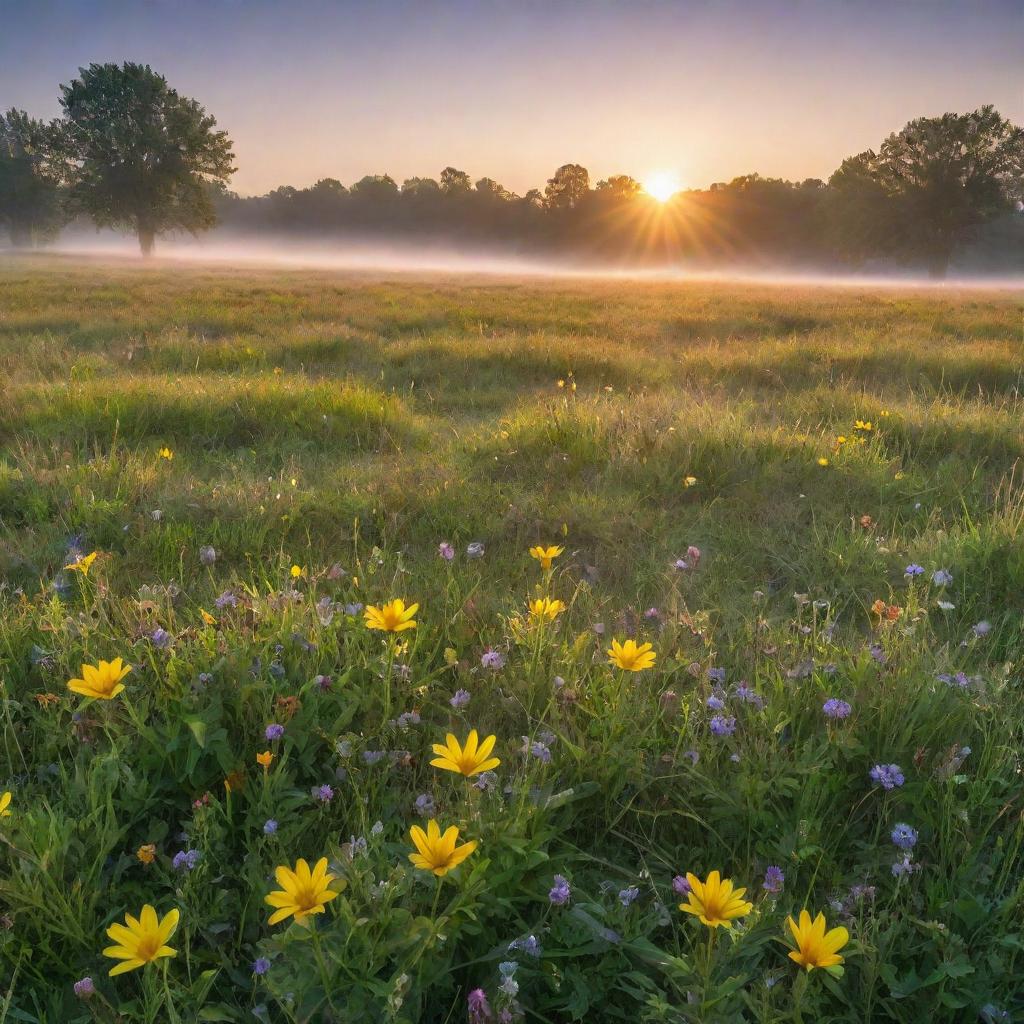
<point>822,461</point>
<point>207,618</point>
<point>982,628</point>
<point>541,751</point>
<point>141,940</point>
<point>560,892</point>
<point>717,675</point>
<point>528,945</point>
<point>546,608</point>
<point>475,550</point>
<point>477,1007</point>
<point>715,702</point>
<point>773,880</point>
<point>903,868</point>
<point>207,555</point>
<point>815,946</point>
<point>904,836</point>
<point>83,563</point>
<point>185,860</point>
<point>460,699</point>
<point>269,827</point>
<point>487,780</point>
<point>627,896</point>
<point>546,555</point>
<point>297,571</point>
<point>425,805</point>
<point>446,551</point>
<point>492,659</point>
<point>5,803</point>
<point>913,570</point>
<point>681,564</point>
<point>715,901</point>
<point>836,708</point>
<point>942,577</point>
<point>146,853</point>
<point>436,852</point>
<point>946,606</point>
<point>84,988</point>
<point>693,554</point>
<point>226,600</point>
<point>273,731</point>
<point>102,681</point>
<point>260,966</point>
<point>160,638</point>
<point>353,609</point>
<point>630,657</point>
<point>722,725</point>
<point>864,425</point>
<point>888,776</point>
<point>689,481</point>
<point>407,719</point>
<point>472,759</point>
<point>680,886</point>
<point>303,892</point>
<point>166,453</point>
<point>373,756</point>
<point>393,617</point>
<point>323,793</point>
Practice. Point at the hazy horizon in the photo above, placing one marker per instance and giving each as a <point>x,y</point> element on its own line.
<point>703,92</point>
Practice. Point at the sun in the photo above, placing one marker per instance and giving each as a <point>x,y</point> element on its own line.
<point>661,185</point>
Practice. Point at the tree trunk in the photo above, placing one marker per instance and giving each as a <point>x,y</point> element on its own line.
<point>147,239</point>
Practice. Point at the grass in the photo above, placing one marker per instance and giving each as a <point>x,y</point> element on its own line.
<point>347,425</point>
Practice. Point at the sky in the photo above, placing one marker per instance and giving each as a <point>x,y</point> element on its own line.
<point>698,91</point>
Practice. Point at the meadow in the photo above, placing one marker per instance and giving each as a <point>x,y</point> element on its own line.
<point>809,501</point>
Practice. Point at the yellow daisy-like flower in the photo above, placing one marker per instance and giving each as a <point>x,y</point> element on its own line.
<point>436,852</point>
<point>5,803</point>
<point>815,946</point>
<point>297,571</point>
<point>715,901</point>
<point>141,940</point>
<point>166,453</point>
<point>546,555</point>
<point>146,853</point>
<point>865,425</point>
<point>392,617</point>
<point>689,481</point>
<point>546,608</point>
<point>102,681</point>
<point>630,657</point>
<point>207,617</point>
<point>265,759</point>
<point>822,461</point>
<point>83,564</point>
<point>302,893</point>
<point>472,759</point>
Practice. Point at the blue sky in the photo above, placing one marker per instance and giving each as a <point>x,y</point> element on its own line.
<point>704,91</point>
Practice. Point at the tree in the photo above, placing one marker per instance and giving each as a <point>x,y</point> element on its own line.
<point>570,184</point>
<point>454,181</point>
<point>30,206</point>
<point>141,155</point>
<point>930,186</point>
<point>619,186</point>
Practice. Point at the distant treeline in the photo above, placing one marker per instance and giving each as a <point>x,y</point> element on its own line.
<point>131,153</point>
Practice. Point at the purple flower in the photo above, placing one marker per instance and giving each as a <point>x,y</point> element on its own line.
<point>226,600</point>
<point>478,1008</point>
<point>982,628</point>
<point>560,892</point>
<point>902,868</point>
<point>888,776</point>
<point>160,638</point>
<point>904,836</point>
<point>373,756</point>
<point>84,988</point>
<point>207,555</point>
<point>425,805</point>
<point>836,708</point>
<point>722,725</point>
<point>942,578</point>
<point>353,609</point>
<point>749,696</point>
<point>773,880</point>
<point>626,896</point>
<point>323,793</point>
<point>877,653</point>
<point>681,564</point>
<point>693,755</point>
<point>652,613</point>
<point>716,675</point>
<point>185,860</point>
<point>541,751</point>
<point>913,570</point>
<point>261,965</point>
<point>269,827</point>
<point>492,659</point>
<point>323,683</point>
<point>715,702</point>
<point>274,731</point>
<point>528,945</point>
<point>460,699</point>
<point>407,718</point>
<point>446,551</point>
<point>486,781</point>
<point>680,885</point>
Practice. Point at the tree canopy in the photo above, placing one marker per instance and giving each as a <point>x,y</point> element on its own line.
<point>30,205</point>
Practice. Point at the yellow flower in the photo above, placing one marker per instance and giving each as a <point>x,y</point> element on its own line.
<point>864,425</point>
<point>265,759</point>
<point>841,439</point>
<point>102,681</point>
<point>689,481</point>
<point>166,453</point>
<point>822,461</point>
<point>83,564</point>
<point>884,413</point>
<point>302,893</point>
<point>392,617</point>
<point>815,946</point>
<point>468,760</point>
<point>297,571</point>
<point>207,617</point>
<point>5,803</point>
<point>436,852</point>
<point>630,657</point>
<point>546,555</point>
<point>545,608</point>
<point>715,901</point>
<point>141,941</point>
<point>146,853</point>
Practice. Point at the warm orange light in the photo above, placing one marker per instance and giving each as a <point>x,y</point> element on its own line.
<point>661,185</point>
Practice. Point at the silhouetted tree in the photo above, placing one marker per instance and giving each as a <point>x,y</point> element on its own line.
<point>454,181</point>
<point>619,186</point>
<point>570,184</point>
<point>929,187</point>
<point>30,206</point>
<point>141,154</point>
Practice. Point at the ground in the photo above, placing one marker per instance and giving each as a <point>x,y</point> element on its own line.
<point>324,434</point>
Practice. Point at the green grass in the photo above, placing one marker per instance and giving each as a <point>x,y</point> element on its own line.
<point>350,423</point>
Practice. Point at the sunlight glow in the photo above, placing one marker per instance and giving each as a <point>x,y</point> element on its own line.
<point>661,185</point>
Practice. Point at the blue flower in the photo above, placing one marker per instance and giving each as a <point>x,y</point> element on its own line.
<point>627,896</point>
<point>904,836</point>
<point>913,570</point>
<point>723,726</point>
<point>269,827</point>
<point>273,731</point>
<point>942,578</point>
<point>560,892</point>
<point>460,699</point>
<point>888,776</point>
<point>836,708</point>
<point>261,965</point>
<point>773,880</point>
